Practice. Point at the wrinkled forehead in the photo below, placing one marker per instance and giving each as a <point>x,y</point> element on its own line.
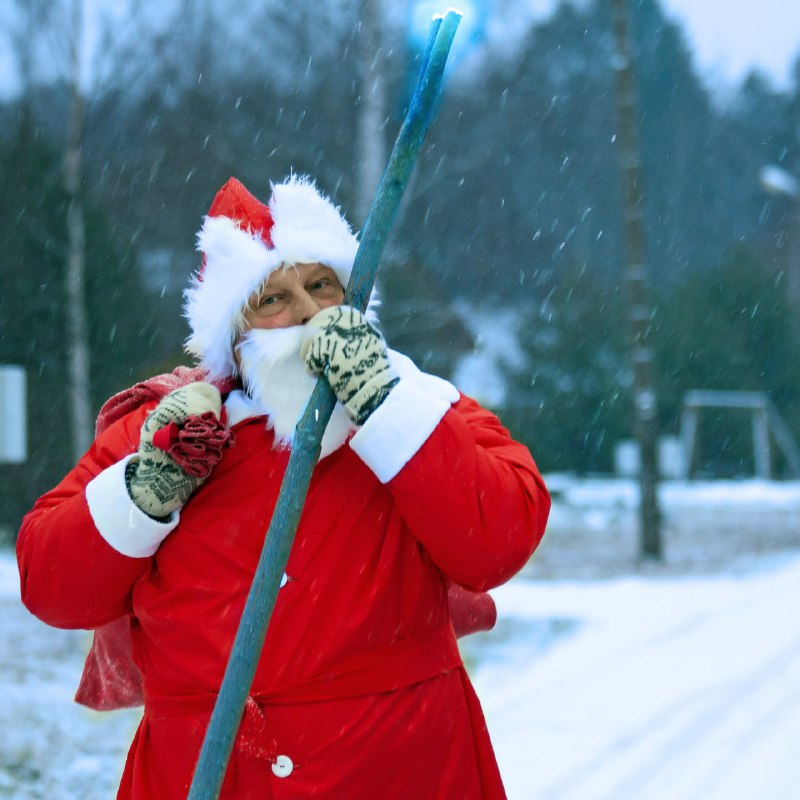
<point>300,273</point>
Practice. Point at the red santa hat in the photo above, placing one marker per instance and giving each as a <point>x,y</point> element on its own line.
<point>243,241</point>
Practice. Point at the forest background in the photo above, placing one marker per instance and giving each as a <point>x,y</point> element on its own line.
<point>510,238</point>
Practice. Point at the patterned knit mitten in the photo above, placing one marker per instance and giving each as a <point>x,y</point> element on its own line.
<point>157,482</point>
<point>352,355</point>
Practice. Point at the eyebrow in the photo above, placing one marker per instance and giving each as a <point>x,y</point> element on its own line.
<point>322,272</point>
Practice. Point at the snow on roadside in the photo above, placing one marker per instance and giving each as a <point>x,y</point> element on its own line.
<point>602,493</point>
<point>49,746</point>
<point>670,689</point>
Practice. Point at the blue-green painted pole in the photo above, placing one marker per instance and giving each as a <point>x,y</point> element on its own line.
<point>249,641</point>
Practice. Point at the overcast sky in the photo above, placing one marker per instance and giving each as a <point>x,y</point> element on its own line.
<point>730,37</point>
<point>727,37</point>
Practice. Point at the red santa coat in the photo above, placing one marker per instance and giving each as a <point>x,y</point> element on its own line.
<point>360,692</point>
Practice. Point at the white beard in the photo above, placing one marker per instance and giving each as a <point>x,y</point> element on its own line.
<point>276,379</point>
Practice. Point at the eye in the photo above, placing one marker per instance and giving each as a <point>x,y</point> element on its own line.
<point>269,300</point>
<point>325,287</point>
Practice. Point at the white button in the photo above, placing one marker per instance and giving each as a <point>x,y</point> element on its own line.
<point>284,580</point>
<point>282,766</point>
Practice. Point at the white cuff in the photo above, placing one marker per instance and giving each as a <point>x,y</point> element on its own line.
<point>119,520</point>
<point>402,423</point>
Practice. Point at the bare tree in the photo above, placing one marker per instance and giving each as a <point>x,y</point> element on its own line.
<point>34,33</point>
<point>49,40</point>
<point>78,359</point>
<point>372,106</point>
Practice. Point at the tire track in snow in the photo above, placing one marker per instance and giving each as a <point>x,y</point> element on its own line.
<point>667,738</point>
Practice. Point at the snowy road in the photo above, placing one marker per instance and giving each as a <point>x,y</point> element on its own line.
<point>681,689</point>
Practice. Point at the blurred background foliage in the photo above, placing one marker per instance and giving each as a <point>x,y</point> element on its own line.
<point>515,205</point>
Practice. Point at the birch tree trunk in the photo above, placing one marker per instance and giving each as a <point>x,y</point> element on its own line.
<point>372,106</point>
<point>78,366</point>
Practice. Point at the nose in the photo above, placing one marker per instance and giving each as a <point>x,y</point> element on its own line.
<point>305,307</point>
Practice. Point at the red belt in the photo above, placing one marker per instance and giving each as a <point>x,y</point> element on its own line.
<point>384,669</point>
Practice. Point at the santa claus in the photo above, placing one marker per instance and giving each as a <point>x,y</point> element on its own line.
<point>360,691</point>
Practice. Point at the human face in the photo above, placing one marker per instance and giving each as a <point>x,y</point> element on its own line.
<point>292,296</point>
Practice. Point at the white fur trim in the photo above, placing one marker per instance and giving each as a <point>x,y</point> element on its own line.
<point>119,520</point>
<point>240,406</point>
<point>339,427</point>
<point>236,264</point>
<point>307,228</point>
<point>402,423</point>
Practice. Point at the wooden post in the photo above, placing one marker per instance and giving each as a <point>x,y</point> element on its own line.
<point>639,311</point>
<point>688,437</point>
<point>761,448</point>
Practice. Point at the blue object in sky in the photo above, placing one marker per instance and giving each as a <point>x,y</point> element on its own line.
<point>470,30</point>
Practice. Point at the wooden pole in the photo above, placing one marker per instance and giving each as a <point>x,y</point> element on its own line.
<point>639,310</point>
<point>246,651</point>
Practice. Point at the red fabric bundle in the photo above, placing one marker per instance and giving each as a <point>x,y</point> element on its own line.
<point>110,678</point>
<point>196,444</point>
<point>470,611</point>
<point>153,389</point>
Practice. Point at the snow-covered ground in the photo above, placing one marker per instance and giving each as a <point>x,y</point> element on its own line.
<point>678,681</point>
<point>51,748</point>
<point>676,688</point>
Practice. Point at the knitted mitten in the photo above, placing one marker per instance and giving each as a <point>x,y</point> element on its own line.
<point>164,474</point>
<point>352,355</point>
